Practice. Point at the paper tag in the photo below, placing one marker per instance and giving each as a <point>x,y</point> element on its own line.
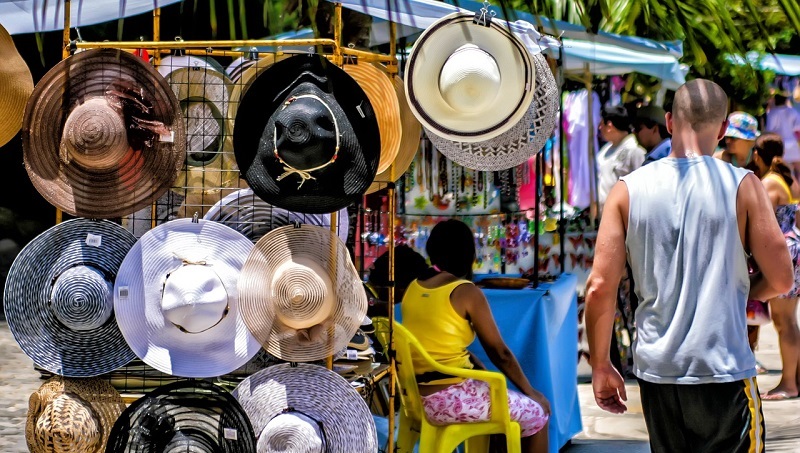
<point>122,292</point>
<point>167,138</point>
<point>360,111</point>
<point>230,434</point>
<point>352,354</point>
<point>94,240</point>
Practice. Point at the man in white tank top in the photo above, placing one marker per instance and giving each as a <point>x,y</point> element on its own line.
<point>685,225</point>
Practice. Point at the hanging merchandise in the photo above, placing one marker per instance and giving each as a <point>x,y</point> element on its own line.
<point>306,137</point>
<point>176,301</point>
<point>103,134</point>
<point>17,85</point>
<point>576,127</point>
<point>306,408</point>
<point>58,298</point>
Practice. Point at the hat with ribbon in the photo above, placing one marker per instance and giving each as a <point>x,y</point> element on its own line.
<point>58,298</point>
<point>304,408</point>
<point>72,415</point>
<point>468,81</point>
<point>16,85</point>
<point>518,144</point>
<point>306,136</point>
<point>103,134</point>
<point>185,416</point>
<point>176,299</point>
<point>300,294</point>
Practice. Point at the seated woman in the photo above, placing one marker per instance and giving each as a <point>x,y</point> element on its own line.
<point>445,311</point>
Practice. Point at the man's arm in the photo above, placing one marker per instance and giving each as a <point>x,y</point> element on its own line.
<point>601,299</point>
<point>764,239</point>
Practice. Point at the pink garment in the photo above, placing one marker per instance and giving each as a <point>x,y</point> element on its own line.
<point>469,402</point>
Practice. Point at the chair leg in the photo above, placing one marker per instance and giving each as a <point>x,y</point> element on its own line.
<point>407,435</point>
<point>477,444</point>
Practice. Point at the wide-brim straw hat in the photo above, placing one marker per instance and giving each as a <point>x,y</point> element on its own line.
<point>103,134</point>
<point>383,97</point>
<point>186,416</point>
<point>409,142</point>
<point>253,217</point>
<point>469,82</point>
<point>72,415</point>
<point>306,408</point>
<point>176,299</point>
<point>300,294</point>
<point>306,137</point>
<point>16,86</point>
<point>518,144</point>
<point>58,299</point>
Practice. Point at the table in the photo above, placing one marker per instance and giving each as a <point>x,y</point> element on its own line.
<point>541,328</point>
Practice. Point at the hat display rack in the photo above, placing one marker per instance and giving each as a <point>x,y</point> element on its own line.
<point>210,186</point>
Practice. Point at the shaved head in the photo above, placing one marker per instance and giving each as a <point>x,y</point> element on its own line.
<point>699,104</point>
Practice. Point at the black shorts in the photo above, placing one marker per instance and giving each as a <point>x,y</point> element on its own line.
<point>707,418</point>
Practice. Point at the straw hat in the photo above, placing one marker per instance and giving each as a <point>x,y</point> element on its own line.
<point>306,408</point>
<point>300,293</point>
<point>72,415</point>
<point>518,144</point>
<point>16,85</point>
<point>186,416</point>
<point>58,299</point>
<point>306,137</point>
<point>176,299</point>
<point>409,142</point>
<point>469,82</point>
<point>246,213</point>
<point>103,134</point>
<point>383,97</point>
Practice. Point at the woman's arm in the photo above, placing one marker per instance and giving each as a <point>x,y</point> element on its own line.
<point>471,299</point>
<point>776,192</point>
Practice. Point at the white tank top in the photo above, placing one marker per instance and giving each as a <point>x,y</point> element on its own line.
<point>690,272</point>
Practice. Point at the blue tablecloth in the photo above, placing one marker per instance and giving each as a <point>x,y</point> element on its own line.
<point>541,328</point>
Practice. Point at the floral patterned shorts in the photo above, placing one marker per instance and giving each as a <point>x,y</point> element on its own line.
<point>469,402</point>
<point>793,242</point>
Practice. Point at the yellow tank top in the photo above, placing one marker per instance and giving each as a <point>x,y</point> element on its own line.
<point>779,179</point>
<point>445,335</point>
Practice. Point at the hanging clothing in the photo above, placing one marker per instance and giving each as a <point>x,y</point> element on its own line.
<point>576,125</point>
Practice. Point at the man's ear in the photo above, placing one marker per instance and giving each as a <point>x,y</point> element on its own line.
<point>722,130</point>
<point>668,117</point>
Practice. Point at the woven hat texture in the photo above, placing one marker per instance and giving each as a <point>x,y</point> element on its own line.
<point>16,85</point>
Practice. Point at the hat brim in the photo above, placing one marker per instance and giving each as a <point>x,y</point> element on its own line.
<point>133,183</point>
<point>339,184</point>
<point>48,342</point>
<point>432,49</point>
<point>16,86</point>
<point>246,213</point>
<point>213,352</point>
<point>317,392</point>
<point>290,243</point>
<point>733,132</point>
<point>193,410</point>
<point>518,144</point>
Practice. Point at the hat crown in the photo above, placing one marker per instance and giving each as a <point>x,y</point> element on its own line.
<point>194,298</point>
<point>742,125</point>
<point>469,80</point>
<point>303,293</point>
<point>94,135</point>
<point>82,298</point>
<point>291,431</point>
<point>306,134</point>
<point>204,132</point>
<point>67,425</point>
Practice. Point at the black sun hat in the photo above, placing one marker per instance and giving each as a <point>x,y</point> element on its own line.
<point>306,137</point>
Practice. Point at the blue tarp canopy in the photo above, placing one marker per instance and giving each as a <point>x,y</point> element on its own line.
<point>780,64</point>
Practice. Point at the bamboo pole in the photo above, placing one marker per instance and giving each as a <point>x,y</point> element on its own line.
<point>337,34</point>
<point>593,203</point>
<point>392,219</point>
<point>157,45</point>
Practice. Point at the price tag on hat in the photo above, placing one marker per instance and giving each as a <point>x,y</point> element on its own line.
<point>230,434</point>
<point>94,240</point>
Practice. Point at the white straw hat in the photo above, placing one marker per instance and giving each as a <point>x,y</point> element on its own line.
<point>306,408</point>
<point>300,293</point>
<point>58,299</point>
<point>469,82</point>
<point>176,299</point>
<point>519,143</point>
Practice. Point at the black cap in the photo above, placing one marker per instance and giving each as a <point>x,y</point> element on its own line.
<point>652,113</point>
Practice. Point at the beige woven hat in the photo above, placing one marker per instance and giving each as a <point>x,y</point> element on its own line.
<point>16,86</point>
<point>383,97</point>
<point>72,415</point>
<point>103,134</point>
<point>300,294</point>
<point>409,142</point>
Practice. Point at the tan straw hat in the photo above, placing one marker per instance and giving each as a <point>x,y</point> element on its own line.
<point>383,97</point>
<point>300,294</point>
<point>409,142</point>
<point>16,85</point>
<point>103,134</point>
<point>72,415</point>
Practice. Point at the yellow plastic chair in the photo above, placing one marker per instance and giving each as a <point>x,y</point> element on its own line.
<point>414,425</point>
